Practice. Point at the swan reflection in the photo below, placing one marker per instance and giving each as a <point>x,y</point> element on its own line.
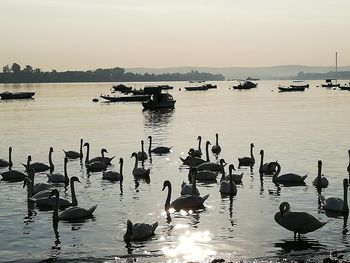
<point>289,246</point>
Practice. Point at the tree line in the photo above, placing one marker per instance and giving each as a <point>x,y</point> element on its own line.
<point>28,74</point>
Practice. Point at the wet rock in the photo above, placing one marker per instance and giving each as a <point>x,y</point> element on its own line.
<point>218,260</point>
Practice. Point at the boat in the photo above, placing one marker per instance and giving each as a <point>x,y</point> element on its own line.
<point>345,86</point>
<point>330,84</point>
<point>163,87</point>
<point>138,92</point>
<point>125,98</point>
<point>122,88</point>
<point>299,84</point>
<point>16,95</point>
<point>247,84</point>
<point>290,88</point>
<point>202,87</point>
<point>158,99</point>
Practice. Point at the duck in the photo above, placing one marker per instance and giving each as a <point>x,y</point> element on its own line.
<point>228,187</point>
<point>60,178</point>
<point>72,213</point>
<point>297,222</point>
<point>40,167</point>
<point>216,149</point>
<point>139,171</point>
<point>63,203</point>
<point>190,189</point>
<point>99,158</point>
<point>237,178</point>
<point>4,163</point>
<point>247,161</point>
<point>139,231</point>
<point>320,180</point>
<point>113,175</point>
<point>142,155</point>
<point>157,150</point>
<point>198,152</point>
<point>288,179</point>
<point>349,163</point>
<point>74,154</point>
<point>266,168</point>
<point>208,165</point>
<point>12,175</point>
<point>185,202</point>
<point>337,205</point>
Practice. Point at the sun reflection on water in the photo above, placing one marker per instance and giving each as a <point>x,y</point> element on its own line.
<point>190,247</point>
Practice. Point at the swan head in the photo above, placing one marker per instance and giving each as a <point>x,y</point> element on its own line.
<point>252,145</point>
<point>51,149</point>
<point>74,179</point>
<point>166,184</point>
<point>346,182</point>
<point>54,192</point>
<point>319,163</point>
<point>142,142</point>
<point>149,137</point>
<point>86,144</point>
<point>231,167</point>
<point>29,158</point>
<point>200,138</point>
<point>10,149</point>
<point>222,162</point>
<point>104,150</point>
<point>129,226</point>
<point>121,160</point>
<point>284,208</point>
<point>208,143</point>
<point>134,154</point>
<point>261,152</point>
<point>191,152</point>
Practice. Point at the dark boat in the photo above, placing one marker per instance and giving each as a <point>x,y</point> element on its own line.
<point>299,84</point>
<point>329,84</point>
<point>16,95</point>
<point>290,88</point>
<point>138,92</point>
<point>122,88</point>
<point>246,85</point>
<point>158,99</point>
<point>345,87</point>
<point>203,87</point>
<point>126,98</point>
<point>163,87</point>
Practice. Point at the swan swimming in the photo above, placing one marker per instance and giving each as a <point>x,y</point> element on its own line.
<point>60,178</point>
<point>113,175</point>
<point>157,150</point>
<point>288,179</point>
<point>4,163</point>
<point>247,161</point>
<point>139,231</point>
<point>266,168</point>
<point>337,205</point>
<point>74,154</point>
<point>100,159</point>
<point>216,149</point>
<point>40,167</point>
<point>142,155</point>
<point>208,165</point>
<point>139,171</point>
<point>188,189</point>
<point>228,187</point>
<point>320,180</point>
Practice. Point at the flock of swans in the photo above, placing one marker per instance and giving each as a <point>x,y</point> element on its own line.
<point>47,195</point>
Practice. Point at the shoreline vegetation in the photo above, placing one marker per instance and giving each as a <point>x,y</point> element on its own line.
<point>15,74</point>
<point>28,74</point>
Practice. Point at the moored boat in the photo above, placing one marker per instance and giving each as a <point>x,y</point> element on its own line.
<point>202,87</point>
<point>16,95</point>
<point>330,84</point>
<point>299,84</point>
<point>246,85</point>
<point>125,98</point>
<point>290,88</point>
<point>158,99</point>
<point>163,87</point>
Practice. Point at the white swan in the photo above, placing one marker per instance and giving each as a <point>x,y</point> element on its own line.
<point>74,154</point>
<point>142,155</point>
<point>185,202</point>
<point>4,163</point>
<point>288,179</point>
<point>208,165</point>
<point>72,213</point>
<point>139,231</point>
<point>99,158</point>
<point>216,149</point>
<point>51,202</point>
<point>159,149</point>
<point>113,175</point>
<point>228,187</point>
<point>338,205</point>
<point>40,167</point>
<point>247,161</point>
<point>320,180</point>
<point>139,171</point>
<point>190,189</point>
<point>297,222</point>
<point>266,168</point>
<point>60,178</point>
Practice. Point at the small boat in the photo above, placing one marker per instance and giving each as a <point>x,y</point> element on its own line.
<point>125,98</point>
<point>345,86</point>
<point>246,85</point>
<point>158,99</point>
<point>330,84</point>
<point>163,87</point>
<point>299,84</point>
<point>290,88</point>
<point>203,87</point>
<point>16,95</point>
<point>122,88</point>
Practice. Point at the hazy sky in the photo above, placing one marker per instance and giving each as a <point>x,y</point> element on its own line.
<point>87,34</point>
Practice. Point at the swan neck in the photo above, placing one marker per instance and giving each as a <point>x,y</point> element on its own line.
<point>217,139</point>
<point>251,152</point>
<point>319,173</point>
<point>81,149</point>
<point>121,169</point>
<point>10,159</point>
<point>28,164</point>
<point>50,162</point>
<point>55,212</point>
<point>135,164</point>
<point>199,144</point>
<point>168,198</point>
<point>65,172</point>
<point>261,163</point>
<point>150,145</point>
<point>277,171</point>
<point>29,190</point>
<point>74,198</point>
<point>207,152</point>
<point>87,153</point>
<point>346,207</point>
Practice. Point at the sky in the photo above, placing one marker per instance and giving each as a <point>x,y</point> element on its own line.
<point>90,34</point>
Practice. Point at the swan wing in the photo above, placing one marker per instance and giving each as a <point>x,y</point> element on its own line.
<point>334,204</point>
<point>13,176</point>
<point>187,202</point>
<point>72,154</point>
<point>56,178</point>
<point>161,149</point>
<point>111,175</point>
<point>76,212</point>
<point>214,167</point>
<point>141,231</point>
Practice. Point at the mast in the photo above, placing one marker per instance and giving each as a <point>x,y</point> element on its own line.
<point>336,66</point>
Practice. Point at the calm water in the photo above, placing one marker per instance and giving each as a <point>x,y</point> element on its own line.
<point>297,129</point>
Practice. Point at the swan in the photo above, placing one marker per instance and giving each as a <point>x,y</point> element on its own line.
<point>247,161</point>
<point>12,175</point>
<point>114,176</point>
<point>99,158</point>
<point>139,231</point>
<point>63,203</point>
<point>237,178</point>
<point>4,163</point>
<point>266,168</point>
<point>185,202</point>
<point>188,189</point>
<point>74,154</point>
<point>208,165</point>
<point>228,187</point>
<point>139,171</point>
<point>216,149</point>
<point>157,150</point>
<point>198,152</point>
<point>42,194</point>
<point>207,175</point>
<point>142,155</point>
<point>349,163</point>
<point>60,178</point>
<point>191,160</point>
<point>72,213</point>
<point>298,222</point>
<point>288,178</point>
<point>40,167</point>
<point>320,181</point>
<point>334,204</point>
<point>36,188</point>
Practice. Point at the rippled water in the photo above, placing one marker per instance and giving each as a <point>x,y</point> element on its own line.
<point>297,129</point>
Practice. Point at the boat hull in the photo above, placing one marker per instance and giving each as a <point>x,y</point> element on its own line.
<point>126,98</point>
<point>16,95</point>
